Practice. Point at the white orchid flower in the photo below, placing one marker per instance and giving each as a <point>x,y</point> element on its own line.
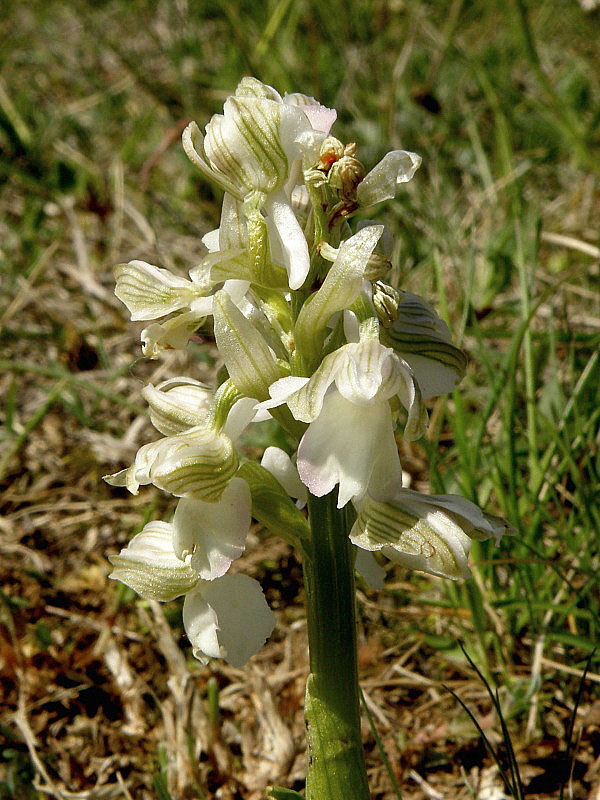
<point>151,293</point>
<point>174,334</point>
<point>198,463</point>
<point>350,439</point>
<point>258,145</point>
<point>150,567</point>
<point>431,533</point>
<point>213,535</point>
<point>196,458</point>
<point>224,616</point>
<point>281,466</point>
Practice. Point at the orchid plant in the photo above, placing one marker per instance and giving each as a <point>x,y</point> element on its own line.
<point>311,335</point>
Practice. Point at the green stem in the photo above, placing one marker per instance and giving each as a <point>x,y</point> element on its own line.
<point>336,766</point>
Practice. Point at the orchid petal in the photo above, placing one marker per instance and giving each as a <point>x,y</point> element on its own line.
<point>291,243</point>
<point>475,522</point>
<point>410,397</point>
<point>213,534</point>
<point>252,87</point>
<point>241,415</point>
<point>174,334</point>
<point>245,142</point>
<point>307,402</point>
<point>368,568</point>
<point>228,618</point>
<point>340,289</point>
<point>321,118</point>
<point>368,373</point>
<point>381,182</point>
<point>193,146</point>
<point>424,341</point>
<point>199,463</point>
<point>418,537</point>
<point>327,455</point>
<point>210,240</point>
<point>232,228</point>
<point>281,390</point>
<point>281,466</point>
<point>138,474</point>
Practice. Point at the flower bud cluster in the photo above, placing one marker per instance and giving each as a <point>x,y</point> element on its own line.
<point>309,334</point>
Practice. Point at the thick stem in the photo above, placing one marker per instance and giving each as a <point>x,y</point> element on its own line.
<point>336,765</point>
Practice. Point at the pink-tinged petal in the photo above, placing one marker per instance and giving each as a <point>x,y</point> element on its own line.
<point>342,446</point>
<point>321,118</point>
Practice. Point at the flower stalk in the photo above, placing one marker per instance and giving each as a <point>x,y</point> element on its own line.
<point>335,759</point>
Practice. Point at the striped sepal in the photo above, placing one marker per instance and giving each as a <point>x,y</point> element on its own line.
<point>418,329</point>
<point>244,143</point>
<point>150,567</point>
<point>417,538</point>
<point>199,463</point>
<point>150,292</point>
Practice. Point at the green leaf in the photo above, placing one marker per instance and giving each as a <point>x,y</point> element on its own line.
<point>279,793</point>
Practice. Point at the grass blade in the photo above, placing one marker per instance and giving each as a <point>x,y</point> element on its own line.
<point>380,747</point>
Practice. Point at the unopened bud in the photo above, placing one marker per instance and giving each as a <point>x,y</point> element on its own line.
<point>377,267</point>
<point>327,252</point>
<point>386,300</point>
<point>345,175</point>
<point>331,151</point>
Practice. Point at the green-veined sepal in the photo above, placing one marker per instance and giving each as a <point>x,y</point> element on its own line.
<point>249,360</point>
<point>149,566</point>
